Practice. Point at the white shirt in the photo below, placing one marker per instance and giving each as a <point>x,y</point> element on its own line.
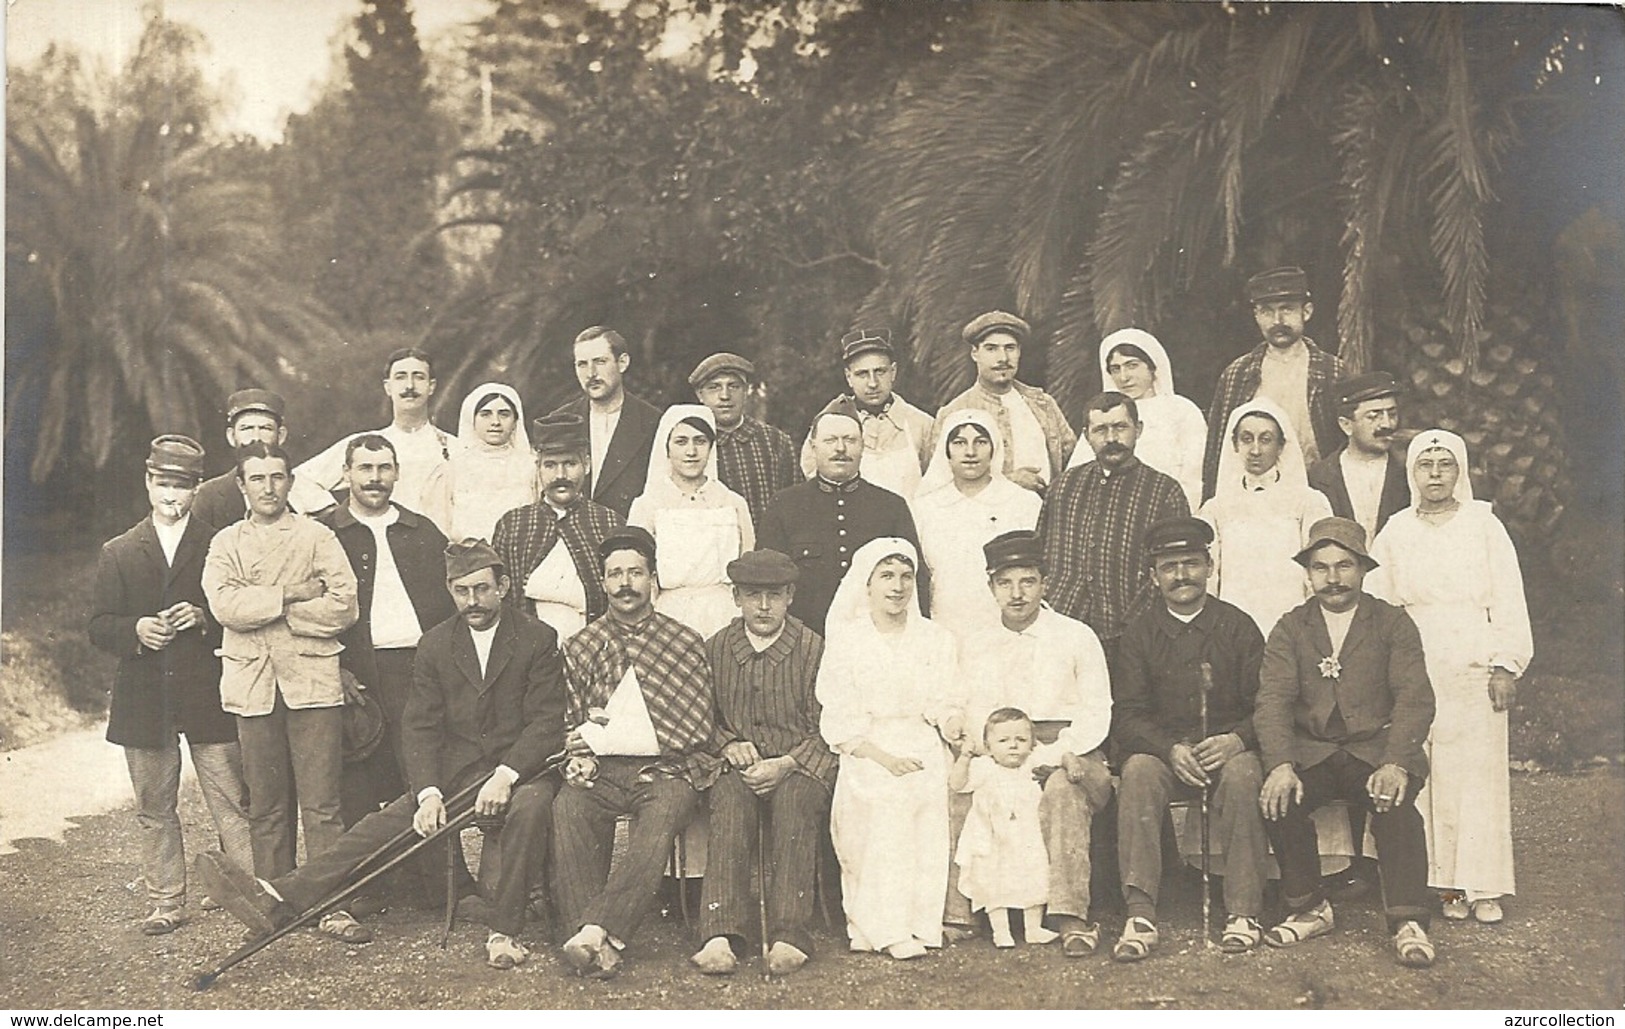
<point>1028,448</point>
<point>600,430</point>
<point>1337,626</point>
<point>169,536</point>
<point>761,643</point>
<point>393,620</point>
<point>1284,378</point>
<point>483,638</point>
<point>1055,670</point>
<point>1364,479</point>
<point>418,453</point>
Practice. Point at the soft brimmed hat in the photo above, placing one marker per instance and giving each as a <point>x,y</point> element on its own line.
<point>762,568</point>
<point>363,724</point>
<point>1344,532</point>
<point>176,455</point>
<point>559,433</point>
<point>628,537</point>
<point>716,364</point>
<point>996,321</point>
<point>1018,548</point>
<point>1369,386</point>
<point>254,400</point>
<point>866,341</point>
<point>1178,536</point>
<point>1287,282</point>
<point>469,556</point>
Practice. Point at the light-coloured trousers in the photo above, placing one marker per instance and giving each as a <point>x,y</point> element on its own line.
<point>155,776</point>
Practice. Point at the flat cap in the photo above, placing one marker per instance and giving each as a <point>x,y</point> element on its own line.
<point>254,400</point>
<point>996,321</point>
<point>1016,548</point>
<point>762,568</point>
<point>176,455</point>
<point>469,556</point>
<point>716,364</point>
<point>1369,386</point>
<point>559,433</point>
<point>1177,536</point>
<point>1287,282</point>
<point>628,537</point>
<point>866,341</point>
<point>1345,532</point>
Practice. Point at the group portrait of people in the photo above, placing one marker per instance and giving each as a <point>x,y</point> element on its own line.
<point>951,645</point>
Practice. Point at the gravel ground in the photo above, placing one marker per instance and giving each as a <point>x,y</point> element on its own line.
<point>69,938</point>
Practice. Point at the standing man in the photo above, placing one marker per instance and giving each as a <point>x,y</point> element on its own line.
<point>280,585</point>
<point>1052,667</point>
<point>252,416</point>
<point>1287,367</point>
<point>149,612</point>
<point>642,745</point>
<point>551,546</point>
<point>896,434</point>
<point>396,555</point>
<point>1160,745</point>
<point>487,705</point>
<point>420,446</point>
<point>1037,438</point>
<point>1365,479</point>
<point>822,522</point>
<point>1344,708</point>
<point>620,426</point>
<point>754,459</point>
<point>764,665</point>
<point>1094,521</point>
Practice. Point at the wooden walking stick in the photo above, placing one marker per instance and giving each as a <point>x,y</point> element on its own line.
<point>761,886</point>
<point>1207,852</point>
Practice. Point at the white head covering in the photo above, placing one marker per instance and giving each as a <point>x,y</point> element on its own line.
<point>659,481</point>
<point>519,442</point>
<point>850,610</point>
<point>1162,376</point>
<point>941,472</point>
<point>1290,463</point>
<point>1430,439</point>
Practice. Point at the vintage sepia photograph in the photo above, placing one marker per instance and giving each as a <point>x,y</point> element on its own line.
<point>787,505</point>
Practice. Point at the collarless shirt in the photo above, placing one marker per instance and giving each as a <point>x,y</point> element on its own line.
<point>1364,481</point>
<point>1054,670</point>
<point>483,638</point>
<point>393,621</point>
<point>601,427</point>
<point>169,536</point>
<point>1284,378</point>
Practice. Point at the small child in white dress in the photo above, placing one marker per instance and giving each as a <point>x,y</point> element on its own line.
<point>1001,856</point>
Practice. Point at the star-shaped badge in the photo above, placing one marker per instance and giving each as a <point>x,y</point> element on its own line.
<point>1329,668</point>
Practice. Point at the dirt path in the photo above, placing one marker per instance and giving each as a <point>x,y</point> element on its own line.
<point>45,787</point>
<point>69,939</point>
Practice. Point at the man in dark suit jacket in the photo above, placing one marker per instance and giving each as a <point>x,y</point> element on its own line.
<point>150,612</point>
<point>252,416</point>
<point>1344,706</point>
<point>487,704</point>
<point>1365,478</point>
<point>620,426</point>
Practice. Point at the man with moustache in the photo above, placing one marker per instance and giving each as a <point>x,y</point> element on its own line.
<point>642,744</point>
<point>551,546</point>
<point>1287,367</point>
<point>252,416</point>
<point>1365,478</point>
<point>1343,712</point>
<point>896,434</point>
<point>420,446</point>
<point>620,427</point>
<point>487,705</point>
<point>754,459</point>
<point>149,612</point>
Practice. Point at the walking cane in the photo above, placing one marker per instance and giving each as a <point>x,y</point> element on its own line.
<point>1207,852</point>
<point>761,887</point>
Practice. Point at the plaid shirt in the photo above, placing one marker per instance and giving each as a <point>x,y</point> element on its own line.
<point>1092,528</point>
<point>756,460</point>
<point>675,676</point>
<point>767,698</point>
<point>525,535</point>
<point>1239,384</point>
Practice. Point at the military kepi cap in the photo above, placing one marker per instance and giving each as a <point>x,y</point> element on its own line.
<point>1287,282</point>
<point>1369,386</point>
<point>866,341</point>
<point>716,364</point>
<point>762,568</point>
<point>469,556</point>
<point>628,537</point>
<point>559,433</point>
<point>254,400</point>
<point>1345,532</point>
<point>1177,536</point>
<point>1018,548</point>
<point>176,455</point>
<point>996,321</point>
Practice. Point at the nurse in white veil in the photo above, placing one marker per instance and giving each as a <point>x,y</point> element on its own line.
<point>491,472</point>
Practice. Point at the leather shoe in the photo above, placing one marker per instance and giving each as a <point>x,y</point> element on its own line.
<point>241,894</point>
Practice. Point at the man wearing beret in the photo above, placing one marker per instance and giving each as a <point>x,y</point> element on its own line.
<point>619,427</point>
<point>1287,367</point>
<point>754,459</point>
<point>764,664</point>
<point>1037,438</point>
<point>1365,478</point>
<point>252,416</point>
<point>642,742</point>
<point>551,546</point>
<point>487,706</point>
<point>896,434</point>
<point>149,612</point>
<point>1161,746</point>
<point>1343,712</point>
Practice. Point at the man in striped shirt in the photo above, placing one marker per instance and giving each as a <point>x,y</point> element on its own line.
<point>754,459</point>
<point>763,666</point>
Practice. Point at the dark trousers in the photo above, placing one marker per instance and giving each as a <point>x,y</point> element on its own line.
<point>797,810</point>
<point>525,829</point>
<point>287,754</point>
<point>1402,857</point>
<point>584,889</point>
<point>381,776</point>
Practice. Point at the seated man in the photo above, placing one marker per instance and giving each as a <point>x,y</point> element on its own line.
<point>765,664</point>
<point>1344,706</point>
<point>641,744</point>
<point>1161,746</point>
<point>487,703</point>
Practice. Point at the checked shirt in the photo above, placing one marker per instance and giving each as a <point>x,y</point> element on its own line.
<point>756,460</point>
<point>525,535</point>
<point>1239,384</point>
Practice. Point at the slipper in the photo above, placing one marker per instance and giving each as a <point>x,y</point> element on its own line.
<point>1241,934</point>
<point>957,932</point>
<point>1138,940</point>
<point>1412,946</point>
<point>581,950</point>
<point>1080,943</point>
<point>504,952</point>
<point>342,927</point>
<point>1302,925</point>
<point>1488,912</point>
<point>608,964</point>
<point>1453,906</point>
<point>163,920</point>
